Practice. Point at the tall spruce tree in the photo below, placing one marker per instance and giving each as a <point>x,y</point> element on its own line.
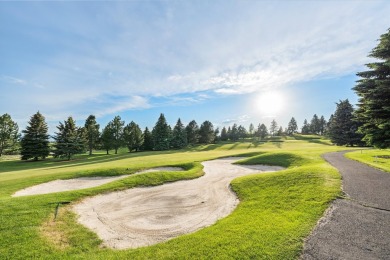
<point>262,131</point>
<point>343,127</point>
<point>206,133</point>
<point>179,136</point>
<point>315,125</point>
<point>234,135</point>
<point>161,134</point>
<point>35,140</point>
<point>147,136</point>
<point>242,133</point>
<point>273,128</point>
<point>9,134</point>
<point>192,130</point>
<point>107,137</point>
<point>132,136</point>
<point>292,127</point>
<point>323,125</point>
<point>70,139</point>
<point>117,127</point>
<point>374,96</point>
<point>251,130</point>
<point>224,136</point>
<point>92,132</point>
<point>305,128</point>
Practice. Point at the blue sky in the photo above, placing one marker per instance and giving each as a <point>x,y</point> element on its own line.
<point>202,60</point>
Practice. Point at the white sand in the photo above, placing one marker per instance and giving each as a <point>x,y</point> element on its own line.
<point>146,216</point>
<point>80,183</point>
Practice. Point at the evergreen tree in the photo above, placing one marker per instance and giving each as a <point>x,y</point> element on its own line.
<point>132,136</point>
<point>229,132</point>
<point>343,127</point>
<point>35,141</point>
<point>234,133</point>
<point>9,134</point>
<point>147,145</point>
<point>280,131</point>
<point>315,125</point>
<point>161,134</point>
<point>206,133</point>
<point>192,130</point>
<point>273,128</point>
<point>374,92</point>
<point>262,131</point>
<point>107,137</point>
<point>92,132</point>
<point>179,136</point>
<point>292,127</point>
<point>305,128</point>
<point>251,130</point>
<point>242,133</point>
<point>117,128</point>
<point>70,139</point>
<point>216,135</point>
<point>323,125</point>
<point>224,135</point>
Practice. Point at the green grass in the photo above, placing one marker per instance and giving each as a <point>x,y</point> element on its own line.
<point>277,210</point>
<point>374,157</point>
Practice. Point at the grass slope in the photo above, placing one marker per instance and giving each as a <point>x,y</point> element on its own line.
<point>377,158</point>
<point>277,210</point>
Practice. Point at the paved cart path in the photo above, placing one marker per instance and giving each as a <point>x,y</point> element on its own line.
<point>357,227</point>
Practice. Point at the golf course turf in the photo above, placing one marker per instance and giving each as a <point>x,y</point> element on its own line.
<point>276,213</point>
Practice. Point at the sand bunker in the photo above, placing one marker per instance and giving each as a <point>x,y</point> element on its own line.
<point>146,216</point>
<point>80,183</point>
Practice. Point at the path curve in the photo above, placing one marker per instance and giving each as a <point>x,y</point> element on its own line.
<point>145,216</point>
<point>358,226</point>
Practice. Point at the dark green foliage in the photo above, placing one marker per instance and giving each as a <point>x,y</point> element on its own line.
<point>179,136</point>
<point>206,133</point>
<point>70,139</point>
<point>273,128</point>
<point>216,135</point>
<point>234,135</point>
<point>9,134</point>
<point>262,131</point>
<point>107,137</point>
<point>192,130</point>
<point>315,125</point>
<point>224,135</point>
<point>147,145</point>
<point>132,135</point>
<point>35,141</point>
<point>242,133</point>
<point>92,132</point>
<point>374,96</point>
<point>251,131</point>
<point>117,127</point>
<point>292,127</point>
<point>280,131</point>
<point>161,134</point>
<point>305,128</point>
<point>343,127</point>
<point>323,125</point>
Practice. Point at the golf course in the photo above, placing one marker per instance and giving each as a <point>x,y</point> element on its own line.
<point>276,210</point>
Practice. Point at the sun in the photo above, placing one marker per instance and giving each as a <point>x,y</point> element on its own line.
<point>270,103</point>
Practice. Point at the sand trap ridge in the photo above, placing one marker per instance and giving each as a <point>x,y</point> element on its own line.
<point>146,216</point>
<point>80,183</point>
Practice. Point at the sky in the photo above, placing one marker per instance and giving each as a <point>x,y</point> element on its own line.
<point>224,61</point>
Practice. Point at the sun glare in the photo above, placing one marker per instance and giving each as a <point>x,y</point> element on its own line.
<point>270,103</point>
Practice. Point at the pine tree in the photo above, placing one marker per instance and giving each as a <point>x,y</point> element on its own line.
<point>234,133</point>
<point>374,92</point>
<point>179,136</point>
<point>292,127</point>
<point>315,125</point>
<point>343,127</point>
<point>262,131</point>
<point>117,127</point>
<point>305,128</point>
<point>35,141</point>
<point>323,125</point>
<point>92,132</point>
<point>216,135</point>
<point>70,139</point>
<point>107,137</point>
<point>273,128</point>
<point>280,131</point>
<point>132,136</point>
<point>192,130</point>
<point>147,145</point>
<point>161,134</point>
<point>251,130</point>
<point>224,135</point>
<point>242,133</point>
<point>9,134</point>
<point>206,133</point>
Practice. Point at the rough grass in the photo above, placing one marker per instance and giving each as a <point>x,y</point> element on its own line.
<point>277,210</point>
<point>378,158</point>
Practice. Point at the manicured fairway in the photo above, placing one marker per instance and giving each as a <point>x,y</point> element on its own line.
<point>277,210</point>
<point>376,158</point>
